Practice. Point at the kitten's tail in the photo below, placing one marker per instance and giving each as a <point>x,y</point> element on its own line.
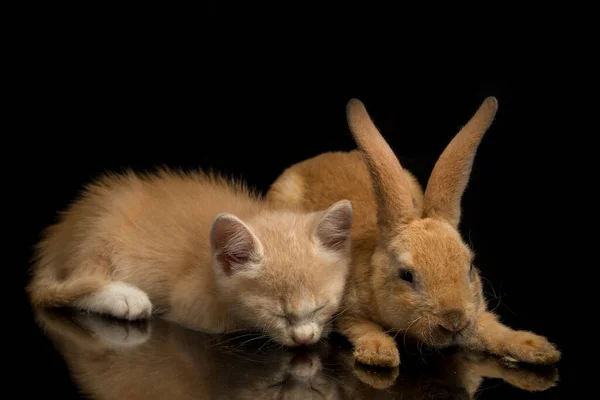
<point>45,290</point>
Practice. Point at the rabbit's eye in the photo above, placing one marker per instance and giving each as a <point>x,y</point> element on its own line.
<point>406,275</point>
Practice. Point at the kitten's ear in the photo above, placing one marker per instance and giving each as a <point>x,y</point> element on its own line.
<point>234,246</point>
<point>334,228</point>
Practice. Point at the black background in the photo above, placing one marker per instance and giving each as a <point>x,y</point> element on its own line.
<point>99,95</point>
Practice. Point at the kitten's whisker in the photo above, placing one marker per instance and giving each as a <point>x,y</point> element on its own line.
<point>266,328</point>
<point>248,341</point>
<point>340,313</point>
<point>244,335</point>
<point>238,355</point>
<point>233,331</point>
<point>264,344</point>
<point>236,337</point>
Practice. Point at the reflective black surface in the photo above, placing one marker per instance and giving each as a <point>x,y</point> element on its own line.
<point>112,359</point>
<point>104,358</point>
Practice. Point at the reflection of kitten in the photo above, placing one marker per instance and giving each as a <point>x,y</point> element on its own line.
<point>171,362</point>
<point>288,376</point>
<point>175,363</point>
<point>199,250</point>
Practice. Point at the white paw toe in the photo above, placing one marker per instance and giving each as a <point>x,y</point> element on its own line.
<point>120,300</point>
<point>138,306</point>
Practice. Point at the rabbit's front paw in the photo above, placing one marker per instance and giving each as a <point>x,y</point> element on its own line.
<point>531,348</point>
<point>377,349</point>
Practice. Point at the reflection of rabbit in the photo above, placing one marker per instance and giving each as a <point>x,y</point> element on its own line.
<point>411,270</point>
<point>455,374</point>
<point>167,361</point>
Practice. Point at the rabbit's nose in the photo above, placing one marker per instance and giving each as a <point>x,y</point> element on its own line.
<point>453,321</point>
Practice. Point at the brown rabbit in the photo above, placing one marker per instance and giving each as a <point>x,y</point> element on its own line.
<point>411,271</point>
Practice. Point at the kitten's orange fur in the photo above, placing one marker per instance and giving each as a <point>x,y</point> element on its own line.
<point>411,271</point>
<point>198,250</point>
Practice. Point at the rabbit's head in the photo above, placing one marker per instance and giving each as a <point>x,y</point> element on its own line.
<point>423,279</point>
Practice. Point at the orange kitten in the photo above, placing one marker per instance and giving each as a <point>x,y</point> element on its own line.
<point>198,250</point>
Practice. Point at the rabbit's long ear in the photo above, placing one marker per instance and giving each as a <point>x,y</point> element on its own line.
<point>451,173</point>
<point>392,190</point>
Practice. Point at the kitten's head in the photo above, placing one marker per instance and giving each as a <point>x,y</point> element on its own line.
<point>284,272</point>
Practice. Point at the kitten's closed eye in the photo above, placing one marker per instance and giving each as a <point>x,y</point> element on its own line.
<point>284,317</point>
<point>318,309</point>
<point>291,317</point>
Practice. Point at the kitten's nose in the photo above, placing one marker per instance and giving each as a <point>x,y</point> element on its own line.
<point>453,321</point>
<point>302,338</point>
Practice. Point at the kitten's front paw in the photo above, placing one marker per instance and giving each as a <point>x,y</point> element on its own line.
<point>120,300</point>
<point>531,348</point>
<point>377,349</point>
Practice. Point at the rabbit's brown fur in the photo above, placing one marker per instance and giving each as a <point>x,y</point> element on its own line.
<point>196,249</point>
<point>400,232</point>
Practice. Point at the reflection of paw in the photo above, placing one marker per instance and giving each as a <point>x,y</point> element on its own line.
<point>375,377</point>
<point>377,349</point>
<point>531,348</point>
<point>120,300</point>
<point>531,380</point>
<point>523,376</point>
<point>117,334</point>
